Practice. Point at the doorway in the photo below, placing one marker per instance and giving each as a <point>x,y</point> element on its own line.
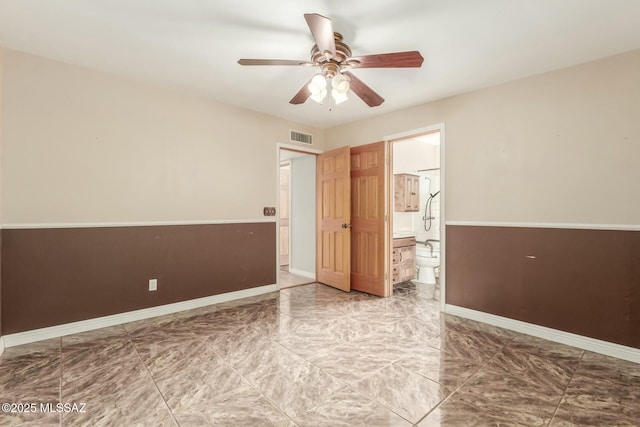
<point>296,216</point>
<point>418,157</point>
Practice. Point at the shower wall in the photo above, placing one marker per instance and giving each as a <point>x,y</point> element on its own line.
<point>429,184</point>
<point>411,156</point>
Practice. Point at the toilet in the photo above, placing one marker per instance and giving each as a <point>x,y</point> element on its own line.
<point>427,263</point>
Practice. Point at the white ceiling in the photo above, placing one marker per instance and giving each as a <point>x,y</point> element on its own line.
<point>194,44</point>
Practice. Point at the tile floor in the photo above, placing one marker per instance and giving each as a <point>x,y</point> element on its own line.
<point>288,279</point>
<point>314,356</point>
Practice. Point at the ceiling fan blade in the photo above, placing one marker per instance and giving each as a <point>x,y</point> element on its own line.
<point>411,59</point>
<point>303,94</point>
<point>273,62</point>
<point>322,31</point>
<point>368,95</point>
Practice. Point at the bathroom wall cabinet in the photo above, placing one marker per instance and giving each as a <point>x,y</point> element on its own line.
<point>406,193</point>
<point>404,260</point>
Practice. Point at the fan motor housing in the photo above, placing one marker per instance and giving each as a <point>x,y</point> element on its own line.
<point>331,66</point>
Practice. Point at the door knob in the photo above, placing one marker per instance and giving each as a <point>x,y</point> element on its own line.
<point>346,225</point>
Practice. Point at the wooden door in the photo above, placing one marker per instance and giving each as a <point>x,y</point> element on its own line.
<point>368,236</point>
<point>285,176</point>
<point>333,220</point>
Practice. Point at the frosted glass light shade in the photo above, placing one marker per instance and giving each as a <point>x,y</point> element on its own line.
<point>319,96</point>
<point>340,83</point>
<point>339,97</point>
<point>318,88</point>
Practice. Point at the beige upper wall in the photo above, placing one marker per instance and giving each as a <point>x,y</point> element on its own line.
<point>83,146</point>
<point>562,147</point>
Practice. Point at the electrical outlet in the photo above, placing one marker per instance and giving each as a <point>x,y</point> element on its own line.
<point>269,211</point>
<point>153,284</point>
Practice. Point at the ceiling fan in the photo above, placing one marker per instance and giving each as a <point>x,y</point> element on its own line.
<point>333,57</point>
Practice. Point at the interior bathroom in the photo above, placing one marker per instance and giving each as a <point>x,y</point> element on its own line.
<point>417,209</point>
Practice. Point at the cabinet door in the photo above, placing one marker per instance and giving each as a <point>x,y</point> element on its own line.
<point>414,192</point>
<point>399,191</point>
<point>406,193</point>
<point>407,263</point>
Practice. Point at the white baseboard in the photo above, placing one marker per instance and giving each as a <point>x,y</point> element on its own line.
<point>302,273</point>
<point>1,345</point>
<point>19,338</point>
<point>597,346</point>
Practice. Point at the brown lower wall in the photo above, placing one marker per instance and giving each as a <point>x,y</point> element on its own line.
<point>59,275</point>
<point>1,285</point>
<point>585,282</point>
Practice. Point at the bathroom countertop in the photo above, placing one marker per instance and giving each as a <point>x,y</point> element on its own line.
<point>403,234</point>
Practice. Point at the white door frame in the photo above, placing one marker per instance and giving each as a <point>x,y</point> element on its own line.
<point>443,194</point>
<point>288,147</point>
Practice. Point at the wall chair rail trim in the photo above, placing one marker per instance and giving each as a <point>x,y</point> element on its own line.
<point>12,340</point>
<point>591,344</point>
<point>576,226</point>
<point>21,226</point>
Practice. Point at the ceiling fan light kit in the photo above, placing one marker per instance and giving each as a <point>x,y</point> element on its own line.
<point>333,57</point>
<point>339,85</point>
